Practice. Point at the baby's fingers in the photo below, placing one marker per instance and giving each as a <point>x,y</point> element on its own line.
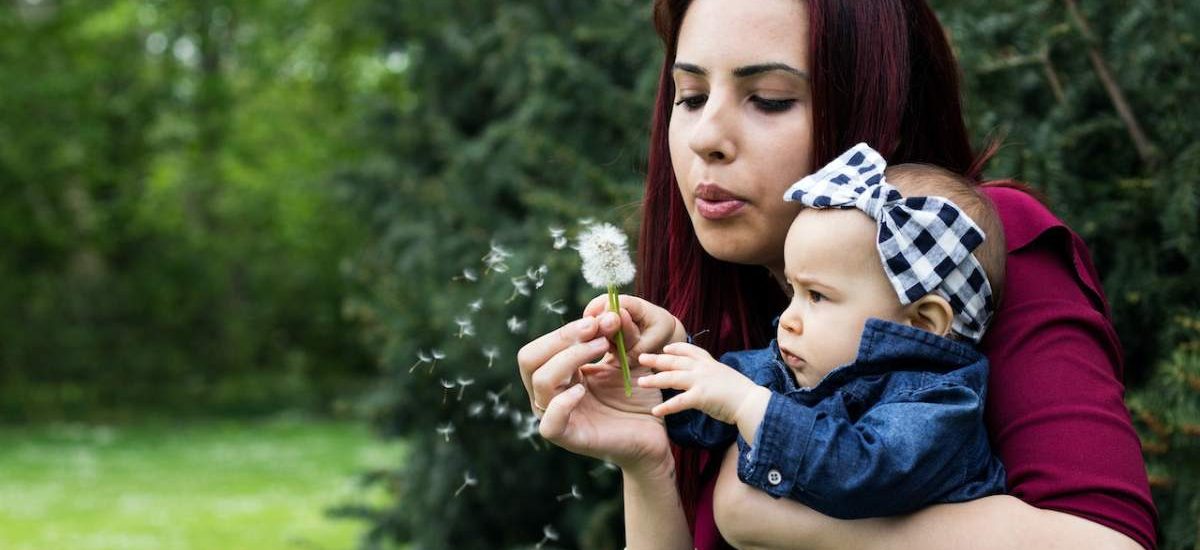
<point>685,349</point>
<point>667,380</point>
<point>664,361</point>
<point>679,403</point>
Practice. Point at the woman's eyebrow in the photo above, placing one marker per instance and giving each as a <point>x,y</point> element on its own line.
<point>749,70</point>
<point>743,72</point>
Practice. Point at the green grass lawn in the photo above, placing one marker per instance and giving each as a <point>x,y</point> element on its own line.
<point>217,485</point>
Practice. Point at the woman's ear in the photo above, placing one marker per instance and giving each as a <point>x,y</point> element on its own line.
<point>931,313</point>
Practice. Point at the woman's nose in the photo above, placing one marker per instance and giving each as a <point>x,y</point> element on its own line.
<point>713,136</point>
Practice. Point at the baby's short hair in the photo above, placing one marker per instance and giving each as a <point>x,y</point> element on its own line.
<point>925,180</point>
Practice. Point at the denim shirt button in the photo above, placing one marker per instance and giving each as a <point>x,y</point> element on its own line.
<point>774,477</point>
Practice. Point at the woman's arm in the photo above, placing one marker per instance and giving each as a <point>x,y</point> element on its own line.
<point>751,519</point>
<point>654,516</point>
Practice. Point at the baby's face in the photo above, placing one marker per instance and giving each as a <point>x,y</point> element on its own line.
<point>837,283</point>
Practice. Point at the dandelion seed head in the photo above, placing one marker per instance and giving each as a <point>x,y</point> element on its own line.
<point>423,356</point>
<point>437,354</point>
<point>476,305</point>
<point>447,384</point>
<point>605,253</point>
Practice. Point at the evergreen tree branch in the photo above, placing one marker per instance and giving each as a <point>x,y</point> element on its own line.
<point>1145,149</point>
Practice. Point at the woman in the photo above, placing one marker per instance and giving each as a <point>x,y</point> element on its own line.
<point>752,96</point>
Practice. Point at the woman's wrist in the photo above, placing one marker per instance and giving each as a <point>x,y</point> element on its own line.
<point>650,469</point>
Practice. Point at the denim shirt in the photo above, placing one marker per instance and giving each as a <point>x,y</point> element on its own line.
<point>898,429</point>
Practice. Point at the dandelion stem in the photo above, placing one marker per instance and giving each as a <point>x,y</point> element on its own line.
<point>615,305</point>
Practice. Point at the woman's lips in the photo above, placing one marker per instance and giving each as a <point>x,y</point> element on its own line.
<point>715,210</point>
<point>715,202</point>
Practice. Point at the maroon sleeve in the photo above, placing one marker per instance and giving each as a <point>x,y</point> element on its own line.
<point>1055,407</point>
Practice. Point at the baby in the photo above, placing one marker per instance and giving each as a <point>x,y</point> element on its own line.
<point>870,400</point>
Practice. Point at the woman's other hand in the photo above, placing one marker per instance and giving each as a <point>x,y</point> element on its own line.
<point>574,384</point>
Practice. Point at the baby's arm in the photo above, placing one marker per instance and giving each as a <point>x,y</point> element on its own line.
<point>899,456</point>
<point>707,385</point>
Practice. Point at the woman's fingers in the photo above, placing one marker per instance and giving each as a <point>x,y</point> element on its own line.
<point>534,356</point>
<point>558,412</point>
<point>560,370</point>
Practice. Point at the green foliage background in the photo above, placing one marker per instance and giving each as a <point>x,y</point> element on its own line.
<point>237,205</point>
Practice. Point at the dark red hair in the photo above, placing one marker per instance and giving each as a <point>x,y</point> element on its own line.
<point>882,72</point>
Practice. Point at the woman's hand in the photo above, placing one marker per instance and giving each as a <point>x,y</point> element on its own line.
<point>582,403</point>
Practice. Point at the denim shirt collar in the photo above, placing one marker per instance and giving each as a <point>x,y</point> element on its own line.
<point>882,346</point>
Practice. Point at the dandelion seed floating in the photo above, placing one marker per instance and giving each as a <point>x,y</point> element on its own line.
<point>446,387</point>
<point>476,305</point>
<point>468,481</point>
<point>548,535</point>
<point>495,258</point>
<point>537,276</point>
<point>465,326</point>
<point>422,358</point>
<point>605,467</point>
<point>606,265</point>
<point>475,409</point>
<point>574,494</point>
<point>491,352</point>
<point>446,430</point>
<point>468,275</point>
<point>515,324</point>
<point>462,385</point>
<point>556,307</point>
<point>560,237</point>
<point>520,288</point>
<point>435,356</point>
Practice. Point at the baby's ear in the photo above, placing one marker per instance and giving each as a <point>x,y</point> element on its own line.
<point>931,313</point>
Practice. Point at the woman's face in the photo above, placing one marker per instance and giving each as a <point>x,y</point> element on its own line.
<point>741,127</point>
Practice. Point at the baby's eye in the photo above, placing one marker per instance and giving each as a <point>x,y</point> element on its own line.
<point>692,102</point>
<point>814,296</point>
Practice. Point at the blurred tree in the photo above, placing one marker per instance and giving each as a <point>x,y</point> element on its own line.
<point>170,237</point>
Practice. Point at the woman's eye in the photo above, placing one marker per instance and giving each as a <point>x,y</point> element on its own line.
<point>772,105</point>
<point>692,102</point>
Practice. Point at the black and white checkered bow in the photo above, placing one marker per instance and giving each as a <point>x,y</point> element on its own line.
<point>925,242</point>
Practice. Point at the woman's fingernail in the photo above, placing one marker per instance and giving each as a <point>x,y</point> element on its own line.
<point>577,389</point>
<point>598,344</point>
<point>587,324</point>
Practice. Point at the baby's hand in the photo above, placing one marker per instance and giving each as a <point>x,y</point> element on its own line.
<point>708,385</point>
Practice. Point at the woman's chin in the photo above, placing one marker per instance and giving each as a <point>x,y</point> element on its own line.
<point>726,249</point>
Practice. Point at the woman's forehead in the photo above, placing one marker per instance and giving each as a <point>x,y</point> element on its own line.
<point>721,35</point>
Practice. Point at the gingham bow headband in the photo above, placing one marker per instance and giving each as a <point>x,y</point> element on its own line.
<point>925,243</point>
